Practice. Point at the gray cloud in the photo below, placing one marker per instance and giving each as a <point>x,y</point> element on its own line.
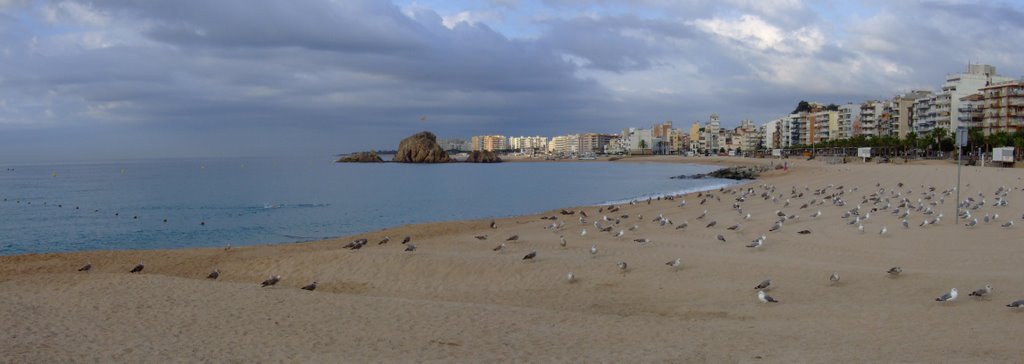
<point>114,78</point>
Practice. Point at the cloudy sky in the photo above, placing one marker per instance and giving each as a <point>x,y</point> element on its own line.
<point>130,78</point>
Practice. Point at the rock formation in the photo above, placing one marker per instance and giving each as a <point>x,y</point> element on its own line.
<point>485,156</point>
<point>361,157</point>
<point>421,148</point>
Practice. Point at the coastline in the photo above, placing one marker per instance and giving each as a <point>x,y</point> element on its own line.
<point>456,300</point>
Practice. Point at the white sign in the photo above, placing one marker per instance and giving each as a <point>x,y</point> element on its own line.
<point>776,152</point>
<point>864,152</point>
<point>1004,154</point>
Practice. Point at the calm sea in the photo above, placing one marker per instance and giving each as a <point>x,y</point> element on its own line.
<point>200,203</point>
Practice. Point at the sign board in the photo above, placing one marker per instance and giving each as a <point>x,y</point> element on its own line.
<point>776,152</point>
<point>864,152</point>
<point>961,136</point>
<point>1004,154</point>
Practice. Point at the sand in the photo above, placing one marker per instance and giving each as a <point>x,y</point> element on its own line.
<point>456,300</point>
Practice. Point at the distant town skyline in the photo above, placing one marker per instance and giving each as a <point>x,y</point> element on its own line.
<point>111,79</point>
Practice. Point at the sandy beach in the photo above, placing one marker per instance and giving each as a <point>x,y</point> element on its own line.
<point>454,299</point>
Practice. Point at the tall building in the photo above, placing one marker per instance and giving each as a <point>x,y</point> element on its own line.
<point>641,141</point>
<point>869,118</point>
<point>489,143</point>
<point>903,110</point>
<point>696,137</point>
<point>925,116</point>
<point>712,134</point>
<point>958,85</point>
<point>972,110</point>
<point>594,142</point>
<point>844,121</point>
<point>525,143</point>
<point>1004,106</point>
<point>770,134</point>
<point>565,144</point>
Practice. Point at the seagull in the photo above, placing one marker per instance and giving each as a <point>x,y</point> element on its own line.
<point>530,256</point>
<point>513,238</point>
<point>1016,304</point>
<point>747,217</point>
<point>310,287</point>
<point>734,227</point>
<point>675,263</point>
<point>983,291</point>
<point>593,250</point>
<point>214,275</point>
<point>776,226</point>
<point>499,247</point>
<point>906,225</point>
<point>834,278</point>
<point>757,243</point>
<point>570,277</point>
<point>948,297</point>
<point>562,242</point>
<point>720,237</point>
<point>894,271</point>
<point>713,223</point>
<point>816,214</point>
<point>764,284</point>
<point>138,268</point>
<point>583,233</point>
<point>972,223</point>
<point>803,232</point>
<point>407,239</point>
<point>642,240</point>
<point>481,237</point>
<point>703,214</point>
<point>860,227</point>
<point>385,240</point>
<point>619,234</point>
<point>683,225</point>
<point>494,225</point>
<point>85,268</point>
<point>1007,224</point>
<point>765,298</point>
<point>271,281</point>
<point>622,266</point>
<point>883,231</point>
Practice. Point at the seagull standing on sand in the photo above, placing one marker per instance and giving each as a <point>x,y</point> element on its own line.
<point>593,250</point>
<point>757,243</point>
<point>948,297</point>
<point>499,247</point>
<point>894,271</point>
<point>883,231</point>
<point>530,256</point>
<point>583,233</point>
<point>982,292</point>
<point>481,237</point>
<point>494,225</point>
<point>410,248</point>
<point>270,281</point>
<point>776,226</point>
<point>138,268</point>
<point>406,240</point>
<point>213,275</point>
<point>310,287</point>
<point>1007,224</point>
<point>834,278</point>
<point>765,298</point>
<point>562,241</point>
<point>622,266</point>
<point>570,277</point>
<point>1016,304</point>
<point>513,238</point>
<point>620,234</point>
<point>764,284</point>
<point>85,268</point>
<point>721,237</point>
<point>675,263</point>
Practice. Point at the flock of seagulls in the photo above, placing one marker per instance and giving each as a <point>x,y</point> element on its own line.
<point>900,202</point>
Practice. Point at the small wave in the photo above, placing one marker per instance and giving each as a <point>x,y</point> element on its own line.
<point>270,206</point>
<point>656,195</point>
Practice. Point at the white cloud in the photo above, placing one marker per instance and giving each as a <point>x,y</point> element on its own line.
<point>471,18</point>
<point>74,13</point>
<point>752,31</point>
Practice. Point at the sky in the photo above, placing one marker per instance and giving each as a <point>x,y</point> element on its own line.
<point>114,79</point>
